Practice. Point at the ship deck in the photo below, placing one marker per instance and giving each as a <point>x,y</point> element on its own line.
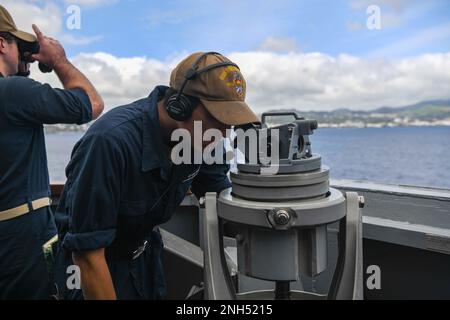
<point>406,232</point>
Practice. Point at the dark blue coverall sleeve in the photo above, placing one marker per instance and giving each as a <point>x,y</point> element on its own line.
<point>97,168</point>
<point>28,102</point>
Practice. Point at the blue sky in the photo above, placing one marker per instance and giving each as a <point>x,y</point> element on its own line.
<point>308,54</point>
<point>158,29</point>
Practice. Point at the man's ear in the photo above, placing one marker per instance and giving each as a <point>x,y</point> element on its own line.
<point>3,45</point>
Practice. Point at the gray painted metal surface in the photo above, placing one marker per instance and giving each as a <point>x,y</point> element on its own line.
<point>405,229</point>
<point>351,287</point>
<point>309,212</point>
<point>404,215</point>
<point>406,232</point>
<point>217,282</point>
<point>285,180</point>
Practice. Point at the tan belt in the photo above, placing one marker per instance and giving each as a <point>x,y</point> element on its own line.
<point>24,209</point>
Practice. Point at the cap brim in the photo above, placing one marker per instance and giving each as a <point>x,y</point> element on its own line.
<point>25,36</point>
<point>232,113</point>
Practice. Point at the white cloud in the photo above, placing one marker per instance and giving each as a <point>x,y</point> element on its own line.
<point>278,44</point>
<point>312,81</point>
<point>277,74</point>
<point>48,16</point>
<point>119,80</point>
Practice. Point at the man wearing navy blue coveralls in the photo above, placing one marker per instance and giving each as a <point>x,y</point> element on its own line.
<point>26,221</point>
<point>122,182</point>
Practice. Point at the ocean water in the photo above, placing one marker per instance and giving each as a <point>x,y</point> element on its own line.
<point>401,155</point>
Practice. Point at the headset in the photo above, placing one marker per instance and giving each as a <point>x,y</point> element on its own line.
<point>179,105</point>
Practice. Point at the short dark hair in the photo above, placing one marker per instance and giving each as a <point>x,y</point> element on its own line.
<point>7,36</point>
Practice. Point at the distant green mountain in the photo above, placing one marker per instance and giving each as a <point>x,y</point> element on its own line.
<point>436,112</point>
<point>422,113</point>
<point>427,110</point>
<point>417,106</point>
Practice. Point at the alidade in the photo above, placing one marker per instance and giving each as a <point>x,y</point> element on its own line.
<point>280,211</point>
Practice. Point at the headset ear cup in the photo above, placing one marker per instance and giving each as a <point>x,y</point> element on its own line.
<point>179,107</point>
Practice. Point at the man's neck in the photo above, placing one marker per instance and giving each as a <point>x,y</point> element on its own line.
<point>3,69</point>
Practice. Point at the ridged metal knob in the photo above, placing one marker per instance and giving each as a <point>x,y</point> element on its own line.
<point>281,217</point>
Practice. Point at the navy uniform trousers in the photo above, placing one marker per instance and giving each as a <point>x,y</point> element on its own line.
<point>23,270</point>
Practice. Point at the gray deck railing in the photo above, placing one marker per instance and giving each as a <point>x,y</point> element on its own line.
<point>405,215</point>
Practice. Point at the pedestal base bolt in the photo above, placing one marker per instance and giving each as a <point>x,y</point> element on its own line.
<point>281,217</point>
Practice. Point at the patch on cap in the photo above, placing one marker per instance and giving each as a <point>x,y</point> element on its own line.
<point>232,77</point>
<point>221,89</point>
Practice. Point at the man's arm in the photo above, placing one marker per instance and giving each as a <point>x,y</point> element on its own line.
<point>96,173</point>
<point>53,55</point>
<point>96,281</point>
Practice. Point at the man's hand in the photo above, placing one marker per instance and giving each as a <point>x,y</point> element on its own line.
<point>51,52</point>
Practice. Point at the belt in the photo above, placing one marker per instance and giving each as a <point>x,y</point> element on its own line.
<point>24,209</point>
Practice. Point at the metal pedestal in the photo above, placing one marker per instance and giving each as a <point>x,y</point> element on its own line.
<point>281,221</point>
<point>283,255</point>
